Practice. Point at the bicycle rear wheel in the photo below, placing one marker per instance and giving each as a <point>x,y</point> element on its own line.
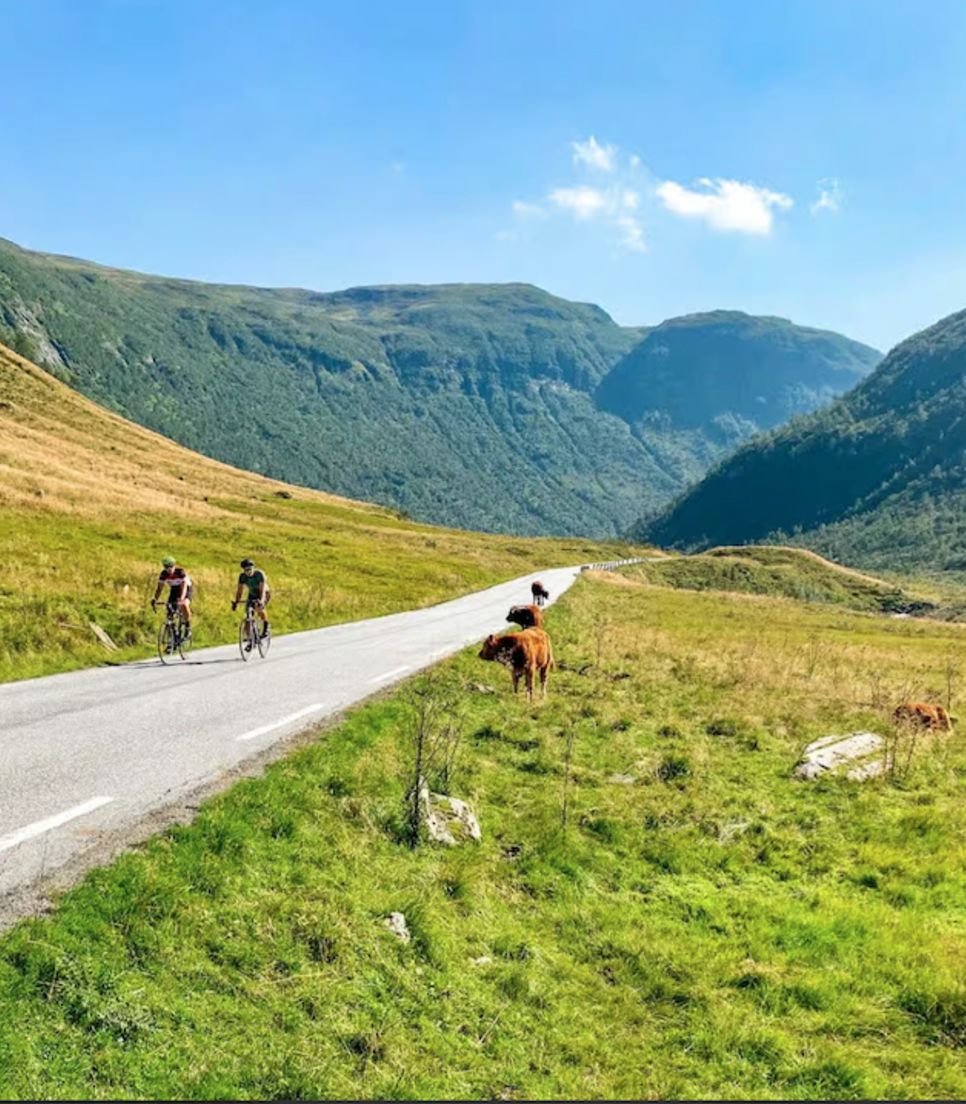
<point>264,642</point>
<point>166,642</point>
<point>245,629</point>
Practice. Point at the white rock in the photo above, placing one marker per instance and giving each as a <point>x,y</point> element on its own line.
<point>396,923</point>
<point>622,779</point>
<point>832,753</point>
<point>483,960</point>
<point>868,770</point>
<point>448,820</point>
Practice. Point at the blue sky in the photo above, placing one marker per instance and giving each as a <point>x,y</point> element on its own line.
<point>328,145</point>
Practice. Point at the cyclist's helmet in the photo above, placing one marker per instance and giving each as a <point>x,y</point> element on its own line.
<point>247,563</point>
<point>167,561</point>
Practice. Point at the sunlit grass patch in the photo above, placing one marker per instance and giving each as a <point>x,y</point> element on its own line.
<point>701,926</point>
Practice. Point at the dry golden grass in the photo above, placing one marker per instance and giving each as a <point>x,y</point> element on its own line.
<point>61,452</point>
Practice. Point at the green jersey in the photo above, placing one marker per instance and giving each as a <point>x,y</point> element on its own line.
<point>254,583</point>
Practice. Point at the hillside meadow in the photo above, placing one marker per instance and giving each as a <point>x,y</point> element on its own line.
<point>89,503</point>
<point>697,924</point>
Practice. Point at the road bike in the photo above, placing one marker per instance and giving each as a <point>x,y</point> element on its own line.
<point>174,636</point>
<point>249,636</point>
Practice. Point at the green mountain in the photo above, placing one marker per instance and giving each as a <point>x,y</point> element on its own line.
<point>878,478</point>
<point>483,406</point>
<point>715,379</point>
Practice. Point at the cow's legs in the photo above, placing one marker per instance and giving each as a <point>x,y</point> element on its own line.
<point>515,675</point>
<point>544,674</point>
<point>529,684</point>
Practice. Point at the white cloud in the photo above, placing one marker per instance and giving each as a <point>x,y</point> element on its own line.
<point>583,201</point>
<point>725,204</point>
<point>611,206</point>
<point>632,237</point>
<point>829,196</point>
<point>594,155</point>
<point>635,162</point>
<point>528,210</point>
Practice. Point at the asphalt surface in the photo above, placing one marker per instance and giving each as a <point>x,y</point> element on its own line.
<point>95,753</point>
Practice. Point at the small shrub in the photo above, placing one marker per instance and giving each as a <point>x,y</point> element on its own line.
<point>673,767</point>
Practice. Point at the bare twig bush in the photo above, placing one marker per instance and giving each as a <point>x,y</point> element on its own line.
<point>435,735</point>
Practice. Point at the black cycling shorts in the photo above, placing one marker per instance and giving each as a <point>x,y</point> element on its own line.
<point>250,601</point>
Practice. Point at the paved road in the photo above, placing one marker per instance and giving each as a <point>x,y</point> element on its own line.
<point>92,754</point>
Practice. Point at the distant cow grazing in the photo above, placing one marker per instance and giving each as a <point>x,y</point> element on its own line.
<point>933,718</point>
<point>539,592</point>
<point>527,617</point>
<point>525,653</point>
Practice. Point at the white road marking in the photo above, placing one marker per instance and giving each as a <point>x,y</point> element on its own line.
<point>279,724</point>
<point>38,827</point>
<point>390,674</point>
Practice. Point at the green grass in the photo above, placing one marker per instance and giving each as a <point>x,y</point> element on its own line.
<point>89,503</point>
<point>786,573</point>
<point>713,929</point>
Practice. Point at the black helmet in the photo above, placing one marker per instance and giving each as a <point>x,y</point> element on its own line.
<point>247,562</point>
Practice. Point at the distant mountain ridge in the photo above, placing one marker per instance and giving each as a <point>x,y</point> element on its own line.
<point>494,407</point>
<point>878,478</point>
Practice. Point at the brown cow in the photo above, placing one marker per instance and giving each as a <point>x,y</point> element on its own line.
<point>922,715</point>
<point>527,617</point>
<point>525,653</point>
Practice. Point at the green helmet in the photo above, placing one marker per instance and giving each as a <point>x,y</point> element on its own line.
<point>167,561</point>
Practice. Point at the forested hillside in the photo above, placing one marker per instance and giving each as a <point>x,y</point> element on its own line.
<point>716,379</point>
<point>496,407</point>
<point>878,478</point>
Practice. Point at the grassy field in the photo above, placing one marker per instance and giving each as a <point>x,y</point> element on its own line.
<point>89,503</point>
<point>702,927</point>
<point>798,573</point>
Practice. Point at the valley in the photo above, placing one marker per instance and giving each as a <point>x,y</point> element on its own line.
<point>489,407</point>
<point>877,479</point>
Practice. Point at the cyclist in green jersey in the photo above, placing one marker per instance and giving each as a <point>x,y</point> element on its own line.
<point>259,594</point>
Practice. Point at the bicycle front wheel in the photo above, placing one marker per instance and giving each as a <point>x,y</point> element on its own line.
<point>166,642</point>
<point>245,630</point>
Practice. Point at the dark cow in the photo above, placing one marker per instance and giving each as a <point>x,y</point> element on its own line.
<point>527,617</point>
<point>539,592</point>
<point>525,653</point>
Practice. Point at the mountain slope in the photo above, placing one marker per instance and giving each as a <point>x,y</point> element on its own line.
<point>89,503</point>
<point>878,478</point>
<point>465,404</point>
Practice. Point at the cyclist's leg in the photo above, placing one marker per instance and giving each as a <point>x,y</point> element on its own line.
<point>263,612</point>
<point>185,606</point>
<point>172,611</point>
